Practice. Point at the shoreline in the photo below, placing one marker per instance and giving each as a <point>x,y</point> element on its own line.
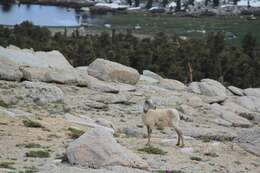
<point>58,3</point>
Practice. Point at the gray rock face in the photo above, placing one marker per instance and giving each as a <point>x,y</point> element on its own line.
<point>229,116</point>
<point>102,86</point>
<point>241,111</point>
<point>9,70</point>
<point>250,102</point>
<point>211,87</point>
<point>148,80</point>
<point>151,74</point>
<point>97,148</point>
<point>112,169</point>
<point>255,92</point>
<point>236,91</point>
<point>82,68</point>
<point>53,59</point>
<point>42,93</point>
<point>250,141</point>
<point>60,76</point>
<point>208,87</point>
<point>172,84</point>
<point>113,72</point>
<point>194,87</point>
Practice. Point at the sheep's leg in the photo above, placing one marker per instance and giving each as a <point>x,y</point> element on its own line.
<point>180,137</point>
<point>149,131</point>
<point>182,140</point>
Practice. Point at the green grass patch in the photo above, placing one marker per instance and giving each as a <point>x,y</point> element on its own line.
<point>7,165</point>
<point>3,104</point>
<point>187,26</point>
<point>152,150</point>
<point>32,145</point>
<point>32,124</point>
<point>211,154</point>
<point>195,158</point>
<point>38,153</point>
<point>31,169</point>
<point>172,171</point>
<point>75,133</point>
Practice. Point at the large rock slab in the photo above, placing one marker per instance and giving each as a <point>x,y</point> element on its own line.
<point>148,80</point>
<point>255,92</point>
<point>42,93</point>
<point>211,87</point>
<point>250,102</point>
<point>241,111</point>
<point>53,59</point>
<point>113,72</point>
<point>97,148</point>
<point>9,70</point>
<point>236,90</point>
<point>151,74</point>
<point>98,85</point>
<point>172,84</point>
<point>194,87</point>
<point>229,116</point>
<point>113,169</point>
<point>208,87</point>
<point>250,141</point>
<point>60,76</point>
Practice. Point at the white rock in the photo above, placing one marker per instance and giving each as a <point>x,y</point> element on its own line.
<point>255,92</point>
<point>236,91</point>
<point>97,148</point>
<point>211,87</point>
<point>42,93</point>
<point>149,80</point>
<point>25,57</point>
<point>171,84</point>
<point>9,70</point>
<point>113,72</point>
<point>151,74</point>
<point>194,87</point>
<point>229,116</point>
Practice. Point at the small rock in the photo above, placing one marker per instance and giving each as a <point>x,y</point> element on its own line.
<point>236,91</point>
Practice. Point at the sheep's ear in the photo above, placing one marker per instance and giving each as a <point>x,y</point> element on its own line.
<point>146,107</point>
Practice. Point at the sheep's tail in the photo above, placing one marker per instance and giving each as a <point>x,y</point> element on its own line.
<point>175,118</point>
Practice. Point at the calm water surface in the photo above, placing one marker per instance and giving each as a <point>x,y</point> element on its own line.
<point>39,14</point>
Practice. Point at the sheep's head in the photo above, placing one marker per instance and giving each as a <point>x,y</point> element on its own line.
<point>148,104</point>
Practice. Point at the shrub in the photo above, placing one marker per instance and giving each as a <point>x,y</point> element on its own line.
<point>32,145</point>
<point>33,124</point>
<point>38,153</point>
<point>195,158</point>
<point>75,133</point>
<point>152,150</point>
<point>7,165</point>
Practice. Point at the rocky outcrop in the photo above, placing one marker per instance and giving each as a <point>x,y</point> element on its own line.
<point>28,57</point>
<point>172,84</point>
<point>208,87</point>
<point>113,72</point>
<point>255,92</point>
<point>42,93</point>
<point>97,148</point>
<point>148,80</point>
<point>9,70</point>
<point>252,103</point>
<point>236,91</point>
<point>250,141</point>
<point>229,116</point>
<point>151,74</point>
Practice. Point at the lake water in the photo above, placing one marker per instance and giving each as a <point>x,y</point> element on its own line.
<point>39,14</point>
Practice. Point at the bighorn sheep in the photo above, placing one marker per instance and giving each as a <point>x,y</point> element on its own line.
<point>161,118</point>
